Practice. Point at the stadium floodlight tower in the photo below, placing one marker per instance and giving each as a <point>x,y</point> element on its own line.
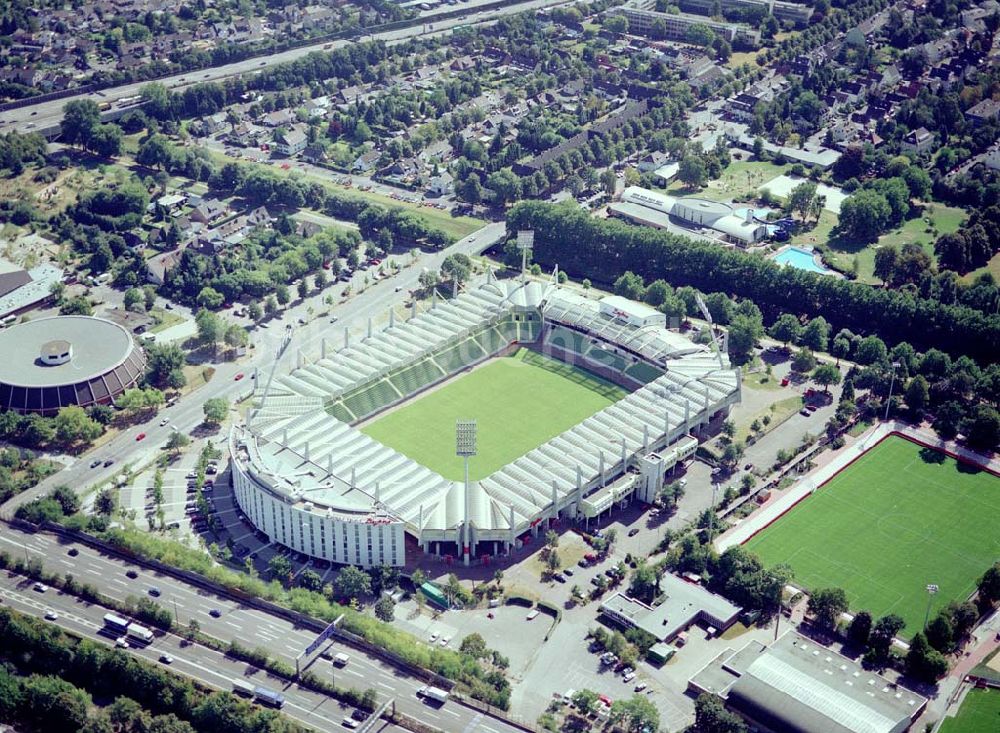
<point>465,447</point>
<point>525,241</point>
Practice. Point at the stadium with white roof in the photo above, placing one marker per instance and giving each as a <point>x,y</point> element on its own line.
<point>308,478</point>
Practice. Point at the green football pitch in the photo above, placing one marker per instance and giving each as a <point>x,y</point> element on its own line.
<point>519,402</point>
<point>980,713</point>
<point>897,519</point>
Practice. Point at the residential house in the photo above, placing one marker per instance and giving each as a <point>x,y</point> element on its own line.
<point>651,161</point>
<point>984,112</point>
<point>213,123</point>
<point>366,161</point>
<point>246,134</point>
<point>209,211</point>
<point>291,142</point>
<point>159,265</point>
<point>315,154</point>
<point>441,185</point>
<point>917,141</point>
<point>278,118</point>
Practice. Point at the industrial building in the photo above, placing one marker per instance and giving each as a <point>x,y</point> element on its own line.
<point>650,208</point>
<point>683,604</point>
<point>796,684</point>
<point>56,362</point>
<point>307,477</point>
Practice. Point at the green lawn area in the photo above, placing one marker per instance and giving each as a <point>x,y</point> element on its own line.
<point>898,518</point>
<point>778,411</point>
<point>992,267</point>
<point>519,402</point>
<point>740,179</point>
<point>980,713</point>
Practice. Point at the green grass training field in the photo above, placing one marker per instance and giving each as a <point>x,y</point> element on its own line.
<point>980,713</point>
<point>519,402</point>
<point>898,518</point>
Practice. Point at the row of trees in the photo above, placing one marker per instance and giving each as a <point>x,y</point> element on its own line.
<point>52,676</point>
<point>71,428</point>
<point>602,250</point>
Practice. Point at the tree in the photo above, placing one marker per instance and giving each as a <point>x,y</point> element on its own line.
<point>864,214</point>
<point>474,645</point>
<point>982,428</point>
<point>609,182</point>
<point>692,171</point>
<point>711,716</point>
<point>385,609</point>
<point>72,426</point>
<point>923,662</point>
<point>211,327</point>
<point>940,632</point>
<point>215,409</point>
<point>457,267</point>
<point>636,714</point>
<point>280,567</point>
<point>80,117</point>
<point>303,288</point>
<point>164,364</point>
<point>177,441</point>
<point>826,375</point>
<point>826,605</point>
<point>281,292</point>
<point>989,585</point>
<point>801,198</point>
<point>585,701</point>
<point>918,394</point>
<point>352,582</point>
<point>803,361</point>
<point>104,503</point>
<point>786,329</point>
<point>816,334</point>
<point>860,629</point>
<point>883,632</point>
<point>645,583</point>
<point>886,262</point>
<point>209,297</point>
<point>744,335</point>
<point>255,311</point>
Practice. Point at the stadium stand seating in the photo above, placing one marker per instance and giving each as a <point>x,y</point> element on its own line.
<point>607,359</point>
<point>373,397</point>
<point>643,372</point>
<point>491,340</point>
<point>416,377</point>
<point>528,331</point>
<point>459,356</point>
<point>568,340</point>
<point>342,413</point>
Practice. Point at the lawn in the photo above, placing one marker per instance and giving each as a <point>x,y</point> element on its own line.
<point>898,518</point>
<point>739,180</point>
<point>980,713</point>
<point>519,402</point>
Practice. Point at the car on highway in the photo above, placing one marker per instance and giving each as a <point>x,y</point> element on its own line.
<point>164,421</point>
<point>349,722</point>
<point>166,659</point>
<point>51,615</point>
<point>73,552</point>
<point>238,377</point>
<point>131,573</point>
<point>121,643</point>
<point>95,463</point>
<point>215,613</point>
<point>109,462</point>
<point>40,587</point>
<point>140,436</point>
<point>154,591</point>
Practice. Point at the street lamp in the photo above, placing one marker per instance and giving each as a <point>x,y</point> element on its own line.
<point>932,589</point>
<point>888,402</point>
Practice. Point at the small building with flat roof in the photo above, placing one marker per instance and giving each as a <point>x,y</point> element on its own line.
<point>684,605</point>
<point>796,684</point>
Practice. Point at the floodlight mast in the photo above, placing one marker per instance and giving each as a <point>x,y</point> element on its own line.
<point>525,242</point>
<point>465,447</point>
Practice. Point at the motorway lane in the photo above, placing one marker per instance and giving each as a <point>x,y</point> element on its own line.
<point>209,667</point>
<point>47,114</point>
<point>251,627</point>
<point>187,413</point>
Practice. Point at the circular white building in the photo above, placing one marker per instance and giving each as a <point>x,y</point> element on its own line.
<point>66,360</point>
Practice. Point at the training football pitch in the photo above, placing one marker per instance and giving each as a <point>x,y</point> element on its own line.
<point>519,402</point>
<point>980,713</point>
<point>897,519</point>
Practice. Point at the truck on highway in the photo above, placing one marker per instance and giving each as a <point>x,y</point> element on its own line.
<point>139,633</point>
<point>243,688</point>
<point>116,624</point>
<point>433,693</point>
<point>268,697</point>
<point>341,660</point>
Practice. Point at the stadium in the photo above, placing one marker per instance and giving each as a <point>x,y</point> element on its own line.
<point>56,362</point>
<point>308,472</point>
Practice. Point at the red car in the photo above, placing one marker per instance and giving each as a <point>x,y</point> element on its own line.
<point>140,436</point>
<point>238,377</point>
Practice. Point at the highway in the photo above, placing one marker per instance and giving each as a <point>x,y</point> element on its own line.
<point>187,413</point>
<point>49,114</point>
<point>211,668</point>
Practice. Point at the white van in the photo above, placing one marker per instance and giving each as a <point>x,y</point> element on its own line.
<point>531,614</point>
<point>341,660</point>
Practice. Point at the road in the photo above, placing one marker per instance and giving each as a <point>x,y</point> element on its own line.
<point>49,114</point>
<point>253,628</point>
<point>187,413</point>
<point>209,667</point>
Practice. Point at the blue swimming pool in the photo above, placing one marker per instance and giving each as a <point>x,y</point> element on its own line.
<point>802,259</point>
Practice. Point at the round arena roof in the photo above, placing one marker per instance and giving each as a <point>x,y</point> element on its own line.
<point>98,347</point>
<point>66,360</point>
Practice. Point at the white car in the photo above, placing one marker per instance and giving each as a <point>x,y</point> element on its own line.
<point>164,421</point>
<point>433,637</point>
<point>629,677</point>
<point>166,659</point>
<point>444,640</point>
<point>51,615</point>
<point>640,687</point>
<point>40,587</point>
<point>121,643</point>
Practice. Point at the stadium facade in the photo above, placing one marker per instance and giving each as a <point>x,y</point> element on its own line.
<point>308,478</point>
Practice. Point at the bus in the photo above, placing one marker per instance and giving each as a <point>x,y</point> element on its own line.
<point>243,688</point>
<point>139,633</point>
<point>269,697</point>
<point>115,623</point>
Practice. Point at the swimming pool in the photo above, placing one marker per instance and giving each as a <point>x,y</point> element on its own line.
<point>802,259</point>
